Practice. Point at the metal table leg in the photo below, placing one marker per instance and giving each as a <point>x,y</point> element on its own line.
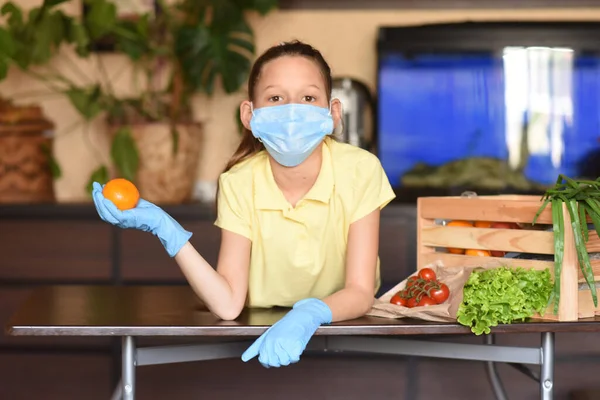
<point>547,370</point>
<point>492,373</point>
<point>128,368</point>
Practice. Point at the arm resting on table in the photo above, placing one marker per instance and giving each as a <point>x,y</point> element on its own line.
<point>356,298</point>
<point>223,290</point>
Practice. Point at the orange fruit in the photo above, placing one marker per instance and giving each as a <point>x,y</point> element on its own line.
<point>478,253</point>
<point>122,193</point>
<point>457,223</point>
<point>483,224</point>
<point>460,223</point>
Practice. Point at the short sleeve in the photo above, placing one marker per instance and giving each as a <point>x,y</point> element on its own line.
<point>233,213</point>
<point>372,188</point>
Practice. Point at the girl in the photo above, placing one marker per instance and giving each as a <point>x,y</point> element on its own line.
<point>299,211</point>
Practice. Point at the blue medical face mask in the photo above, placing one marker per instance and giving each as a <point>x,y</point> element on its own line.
<point>291,132</point>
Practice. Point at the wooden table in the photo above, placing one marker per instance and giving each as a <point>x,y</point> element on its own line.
<point>130,312</point>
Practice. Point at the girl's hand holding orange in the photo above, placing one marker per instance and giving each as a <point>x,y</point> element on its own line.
<point>127,210</point>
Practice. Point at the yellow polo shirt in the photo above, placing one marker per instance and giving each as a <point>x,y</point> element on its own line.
<point>301,252</point>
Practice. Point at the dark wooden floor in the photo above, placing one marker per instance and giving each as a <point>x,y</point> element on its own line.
<point>80,249</point>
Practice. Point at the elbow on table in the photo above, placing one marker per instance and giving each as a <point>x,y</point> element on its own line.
<point>368,304</point>
<point>229,313</point>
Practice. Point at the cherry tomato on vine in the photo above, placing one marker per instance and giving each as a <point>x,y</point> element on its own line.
<point>426,301</point>
<point>427,274</point>
<point>440,294</point>
<point>411,281</point>
<point>398,300</point>
<point>412,302</point>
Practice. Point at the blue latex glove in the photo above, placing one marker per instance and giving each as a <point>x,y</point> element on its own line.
<point>284,342</point>
<point>146,217</point>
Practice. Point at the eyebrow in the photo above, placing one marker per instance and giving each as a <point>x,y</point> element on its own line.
<point>276,86</point>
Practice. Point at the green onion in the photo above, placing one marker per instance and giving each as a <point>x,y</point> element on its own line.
<point>559,246</point>
<point>581,197</point>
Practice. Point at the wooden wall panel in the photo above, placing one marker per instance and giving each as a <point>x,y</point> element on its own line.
<point>143,256</point>
<point>54,377</point>
<point>58,249</point>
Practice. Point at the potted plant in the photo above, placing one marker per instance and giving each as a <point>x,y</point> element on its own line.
<point>181,48</point>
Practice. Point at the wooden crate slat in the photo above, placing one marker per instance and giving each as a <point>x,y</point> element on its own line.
<point>485,208</point>
<point>518,240</point>
<point>568,306</point>
<point>586,304</point>
<point>595,267</point>
<point>457,261</point>
<point>593,244</point>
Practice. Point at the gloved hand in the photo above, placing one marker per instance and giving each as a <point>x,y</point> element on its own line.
<point>284,342</point>
<point>146,217</point>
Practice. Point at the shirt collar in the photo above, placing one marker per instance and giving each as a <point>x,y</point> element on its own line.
<point>267,194</point>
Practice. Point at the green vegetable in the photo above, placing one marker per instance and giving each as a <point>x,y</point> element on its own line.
<point>581,199</point>
<point>503,295</point>
<point>558,227</point>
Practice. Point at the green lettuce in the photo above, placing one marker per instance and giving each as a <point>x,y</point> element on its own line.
<point>503,295</point>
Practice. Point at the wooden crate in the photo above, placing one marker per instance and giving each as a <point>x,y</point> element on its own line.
<point>432,239</point>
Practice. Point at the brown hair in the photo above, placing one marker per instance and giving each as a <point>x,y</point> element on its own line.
<point>249,145</point>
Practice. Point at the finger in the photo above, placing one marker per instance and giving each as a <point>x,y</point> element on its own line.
<point>295,351</point>
<point>113,210</point>
<point>104,214</point>
<point>96,187</point>
<point>267,356</point>
<point>282,354</point>
<point>254,348</point>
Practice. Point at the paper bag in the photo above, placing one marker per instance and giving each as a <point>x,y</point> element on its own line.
<point>454,278</point>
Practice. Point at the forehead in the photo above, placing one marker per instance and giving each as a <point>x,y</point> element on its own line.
<point>290,71</point>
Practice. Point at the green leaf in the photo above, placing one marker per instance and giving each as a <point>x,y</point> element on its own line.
<point>40,37</point>
<point>124,153</point>
<point>15,15</point>
<point>558,229</point>
<point>207,54</point>
<point>53,28</point>
<point>3,68</point>
<point>52,3</point>
<point>582,254</point>
<point>100,175</point>
<point>77,35</point>
<point>132,38</point>
<point>7,51</point>
<point>263,6</point>
<point>54,167</point>
<point>87,100</point>
<point>101,18</point>
<point>225,14</point>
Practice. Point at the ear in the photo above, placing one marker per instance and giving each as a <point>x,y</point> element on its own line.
<point>246,113</point>
<point>336,112</point>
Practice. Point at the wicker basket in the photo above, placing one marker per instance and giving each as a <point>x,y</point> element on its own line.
<point>164,176</point>
<point>25,146</point>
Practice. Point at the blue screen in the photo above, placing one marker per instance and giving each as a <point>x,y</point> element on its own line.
<point>516,119</point>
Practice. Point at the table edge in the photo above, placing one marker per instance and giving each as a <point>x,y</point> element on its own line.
<point>344,330</point>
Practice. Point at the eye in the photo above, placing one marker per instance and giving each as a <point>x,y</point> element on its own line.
<point>274,98</point>
<point>309,99</point>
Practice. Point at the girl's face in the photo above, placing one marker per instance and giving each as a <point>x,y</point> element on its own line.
<point>290,79</point>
